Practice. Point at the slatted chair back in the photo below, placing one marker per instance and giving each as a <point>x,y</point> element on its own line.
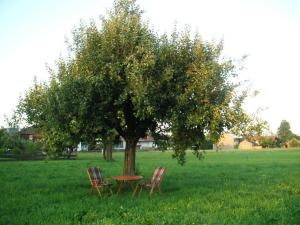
<point>157,175</point>
<point>97,181</point>
<point>95,175</point>
<point>154,183</point>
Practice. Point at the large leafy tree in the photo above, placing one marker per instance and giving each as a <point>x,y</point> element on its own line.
<point>124,77</point>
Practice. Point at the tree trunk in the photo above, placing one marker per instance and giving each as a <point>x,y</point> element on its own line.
<point>107,151</point>
<point>129,160</point>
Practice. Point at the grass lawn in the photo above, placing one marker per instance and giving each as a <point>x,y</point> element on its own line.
<point>224,188</point>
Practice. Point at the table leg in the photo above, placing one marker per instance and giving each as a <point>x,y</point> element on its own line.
<point>134,186</point>
<point>120,185</point>
<point>131,183</point>
<point>135,189</point>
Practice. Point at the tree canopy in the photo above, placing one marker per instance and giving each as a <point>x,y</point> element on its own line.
<point>284,131</point>
<point>123,77</point>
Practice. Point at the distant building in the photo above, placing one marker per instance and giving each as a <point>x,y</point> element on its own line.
<point>121,145</point>
<point>143,143</point>
<point>146,143</point>
<point>82,147</point>
<point>30,133</point>
<point>293,143</point>
<point>248,145</point>
<point>227,141</point>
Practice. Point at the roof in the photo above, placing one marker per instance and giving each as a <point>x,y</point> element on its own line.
<point>146,139</point>
<point>29,131</point>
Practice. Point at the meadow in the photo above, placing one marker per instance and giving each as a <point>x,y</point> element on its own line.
<point>233,187</point>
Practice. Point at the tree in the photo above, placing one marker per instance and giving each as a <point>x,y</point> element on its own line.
<point>122,76</point>
<point>251,127</point>
<point>54,109</point>
<point>268,142</point>
<point>284,131</point>
<point>108,140</point>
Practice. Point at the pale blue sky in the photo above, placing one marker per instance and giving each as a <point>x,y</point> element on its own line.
<point>33,34</point>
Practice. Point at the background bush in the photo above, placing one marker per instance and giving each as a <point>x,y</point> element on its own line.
<point>12,144</point>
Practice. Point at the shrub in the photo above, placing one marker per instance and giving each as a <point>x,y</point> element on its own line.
<point>13,145</point>
<point>267,142</point>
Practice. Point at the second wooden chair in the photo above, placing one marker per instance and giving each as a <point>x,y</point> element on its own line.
<point>154,183</point>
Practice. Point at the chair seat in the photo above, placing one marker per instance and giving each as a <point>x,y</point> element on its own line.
<point>98,183</point>
<point>148,184</point>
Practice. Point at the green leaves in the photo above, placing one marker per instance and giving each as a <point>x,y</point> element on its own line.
<point>284,131</point>
<point>123,76</point>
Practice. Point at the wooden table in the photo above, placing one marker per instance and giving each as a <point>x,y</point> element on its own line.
<point>131,180</point>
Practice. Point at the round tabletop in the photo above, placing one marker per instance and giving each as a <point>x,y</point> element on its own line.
<point>127,178</point>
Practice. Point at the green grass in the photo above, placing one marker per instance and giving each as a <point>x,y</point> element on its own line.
<point>224,188</point>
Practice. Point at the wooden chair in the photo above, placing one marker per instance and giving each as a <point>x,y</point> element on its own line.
<point>97,181</point>
<point>154,183</point>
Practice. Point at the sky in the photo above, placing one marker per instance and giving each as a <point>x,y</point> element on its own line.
<point>33,34</point>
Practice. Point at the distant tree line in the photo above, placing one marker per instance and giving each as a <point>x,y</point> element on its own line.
<point>286,136</point>
<point>283,138</point>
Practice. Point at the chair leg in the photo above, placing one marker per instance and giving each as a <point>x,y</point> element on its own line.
<point>120,186</point>
<point>108,189</point>
<point>151,191</point>
<point>158,187</point>
<point>111,192</point>
<point>141,190</point>
<point>99,192</point>
<point>135,190</point>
